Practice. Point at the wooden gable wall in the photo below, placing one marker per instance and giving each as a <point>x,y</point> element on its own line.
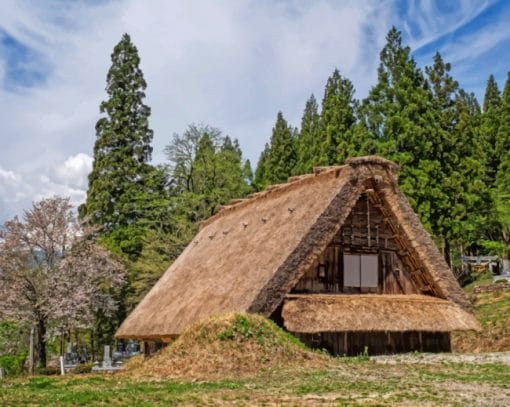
<point>366,231</point>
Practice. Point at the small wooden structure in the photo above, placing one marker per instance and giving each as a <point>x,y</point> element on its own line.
<point>337,257</point>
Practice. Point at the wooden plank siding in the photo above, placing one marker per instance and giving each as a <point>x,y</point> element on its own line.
<point>377,343</point>
<point>366,231</point>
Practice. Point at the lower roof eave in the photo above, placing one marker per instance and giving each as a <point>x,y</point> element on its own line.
<point>374,313</point>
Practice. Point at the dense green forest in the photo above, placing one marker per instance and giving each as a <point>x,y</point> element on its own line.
<point>454,154</point>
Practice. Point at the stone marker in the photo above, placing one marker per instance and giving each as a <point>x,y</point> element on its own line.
<point>107,361</point>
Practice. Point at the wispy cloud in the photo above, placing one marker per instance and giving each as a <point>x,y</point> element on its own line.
<point>474,45</point>
<point>231,64</point>
<point>426,21</point>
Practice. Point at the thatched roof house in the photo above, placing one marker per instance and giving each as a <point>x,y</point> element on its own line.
<point>335,254</point>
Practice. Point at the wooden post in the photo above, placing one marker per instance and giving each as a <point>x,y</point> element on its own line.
<point>62,371</point>
<point>31,362</point>
<point>368,223</point>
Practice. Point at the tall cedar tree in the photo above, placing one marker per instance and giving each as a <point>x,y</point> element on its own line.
<point>398,113</point>
<point>458,148</point>
<point>260,171</point>
<point>123,187</point>
<point>336,120</point>
<point>281,157</point>
<point>308,147</point>
<point>444,90</point>
<point>490,126</point>
<point>466,185</point>
<point>501,201</point>
<point>503,135</point>
<point>502,190</point>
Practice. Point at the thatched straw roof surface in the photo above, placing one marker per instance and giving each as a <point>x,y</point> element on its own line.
<point>254,251</point>
<point>339,313</point>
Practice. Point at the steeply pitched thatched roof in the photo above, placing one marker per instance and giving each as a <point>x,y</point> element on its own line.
<point>250,255</point>
<point>339,313</point>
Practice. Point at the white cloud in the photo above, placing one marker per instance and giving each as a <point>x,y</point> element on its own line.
<point>12,192</point>
<point>8,177</point>
<point>49,188</point>
<point>75,170</point>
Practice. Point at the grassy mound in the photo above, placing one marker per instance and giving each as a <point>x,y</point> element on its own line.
<point>492,309</point>
<point>227,346</point>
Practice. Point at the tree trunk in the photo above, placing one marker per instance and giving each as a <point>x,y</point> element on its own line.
<point>41,342</point>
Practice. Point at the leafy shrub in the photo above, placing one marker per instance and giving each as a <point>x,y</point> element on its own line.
<point>13,338</point>
<point>13,364</point>
<point>48,371</point>
<point>83,368</point>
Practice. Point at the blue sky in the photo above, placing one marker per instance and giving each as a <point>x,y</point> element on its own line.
<point>228,63</point>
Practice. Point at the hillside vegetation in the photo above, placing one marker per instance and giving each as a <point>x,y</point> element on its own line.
<point>492,309</point>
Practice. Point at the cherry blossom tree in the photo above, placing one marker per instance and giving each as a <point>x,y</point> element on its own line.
<point>51,275</point>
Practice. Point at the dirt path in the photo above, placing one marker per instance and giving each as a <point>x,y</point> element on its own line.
<point>476,358</point>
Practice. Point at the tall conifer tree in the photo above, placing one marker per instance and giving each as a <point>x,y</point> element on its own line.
<point>502,184</point>
<point>398,113</point>
<point>122,183</point>
<point>490,127</point>
<point>260,171</point>
<point>442,151</point>
<point>503,136</point>
<point>336,120</point>
<point>308,147</point>
<point>281,157</point>
<point>466,185</point>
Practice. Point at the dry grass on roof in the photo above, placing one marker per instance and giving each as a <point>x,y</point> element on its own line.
<point>271,190</point>
<point>228,346</point>
<point>371,312</point>
<point>232,260</point>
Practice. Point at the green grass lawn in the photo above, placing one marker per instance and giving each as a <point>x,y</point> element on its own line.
<point>346,381</point>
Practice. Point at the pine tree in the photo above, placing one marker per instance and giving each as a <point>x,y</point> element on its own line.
<point>501,202</point>
<point>503,136</point>
<point>281,158</point>
<point>443,149</point>
<point>502,185</point>
<point>248,173</point>
<point>260,171</point>
<point>492,98</point>
<point>336,120</point>
<point>466,185</point>
<point>307,145</point>
<point>490,126</point>
<point>122,180</point>
<point>398,113</point>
